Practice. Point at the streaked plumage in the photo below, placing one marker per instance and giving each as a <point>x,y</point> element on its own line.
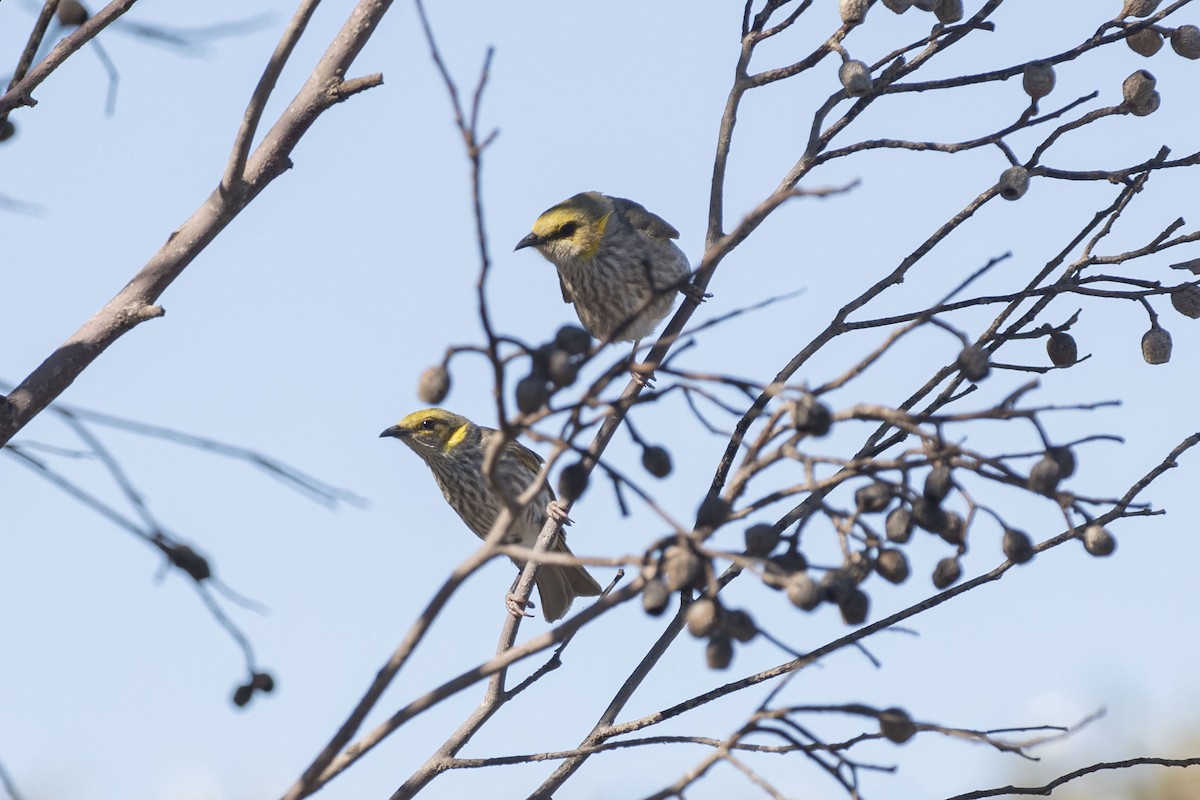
<point>453,448</point>
<point>613,257</point>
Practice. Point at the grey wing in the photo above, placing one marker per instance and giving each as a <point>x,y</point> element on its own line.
<point>644,221</point>
<point>563,286</point>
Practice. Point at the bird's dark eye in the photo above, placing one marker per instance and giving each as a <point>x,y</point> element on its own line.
<point>428,424</point>
<point>566,230</point>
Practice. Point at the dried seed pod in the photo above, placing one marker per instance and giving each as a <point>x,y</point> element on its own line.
<point>1062,349</point>
<point>1038,79</point>
<point>242,695</point>
<point>1147,107</point>
<point>712,512</point>
<point>973,363</point>
<point>955,530</point>
<point>657,461</point>
<point>892,565</point>
<point>655,596</point>
<point>434,385</point>
<point>1145,42</point>
<point>853,11</point>
<point>7,129</point>
<point>949,11</point>
<point>1186,300</point>
<point>836,586</point>
<point>739,625</point>
<point>761,539</point>
<point>899,525</point>
<point>562,368</point>
<point>1065,459</point>
<point>855,607</point>
<point>680,567</point>
<point>1017,546</point>
<point>572,340</point>
<point>1185,40</point>
<point>701,617</point>
<point>532,394</point>
<point>191,562</point>
<point>926,5</point>
<point>857,567</point>
<point>803,591</point>
<point>1044,476</point>
<point>719,653</point>
<point>946,573</point>
<point>778,569</point>
<point>71,12</point>
<point>1138,87</point>
<point>263,682</point>
<point>1098,541</point>
<point>929,516</point>
<point>872,498</point>
<point>896,725</point>
<point>1138,8</point>
<point>1156,345</point>
<point>572,482</point>
<point>897,6</point>
<point>811,416</point>
<point>1013,183</point>
<point>938,483</point>
<point>855,77</point>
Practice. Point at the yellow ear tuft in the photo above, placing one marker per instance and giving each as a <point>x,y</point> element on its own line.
<point>456,438</point>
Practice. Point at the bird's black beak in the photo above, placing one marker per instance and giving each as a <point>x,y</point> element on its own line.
<point>529,241</point>
<point>395,432</point>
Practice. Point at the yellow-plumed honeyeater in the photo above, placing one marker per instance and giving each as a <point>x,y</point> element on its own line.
<point>453,448</point>
<point>616,263</point>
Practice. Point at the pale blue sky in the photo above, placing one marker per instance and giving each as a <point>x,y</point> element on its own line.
<point>301,331</point>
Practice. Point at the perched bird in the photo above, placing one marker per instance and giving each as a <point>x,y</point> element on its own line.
<point>453,448</point>
<point>616,262</point>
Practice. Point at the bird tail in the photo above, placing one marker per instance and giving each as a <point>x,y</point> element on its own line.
<point>557,586</point>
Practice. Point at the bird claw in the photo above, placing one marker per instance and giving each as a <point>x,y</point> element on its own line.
<point>516,607</point>
<point>694,292</point>
<point>643,377</point>
<point>558,512</point>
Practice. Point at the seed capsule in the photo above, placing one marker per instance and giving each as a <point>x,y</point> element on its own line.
<point>739,625</point>
<point>532,394</point>
<point>1065,459</point>
<point>938,483</point>
<point>242,695</point>
<point>719,653</point>
<point>1017,546</point>
<point>1137,88</point>
<point>1185,40</point>
<point>899,525</point>
<point>761,540</point>
<point>897,6</point>
<point>1186,300</point>
<point>1139,8</point>
<point>562,368</point>
<point>1038,79</point>
<point>872,498</point>
<point>955,530</point>
<point>973,363</point>
<point>712,512</point>
<point>926,5</point>
<point>1013,183</point>
<point>803,591</point>
<point>811,416</point>
<point>855,77</point>
<point>72,13</point>
<point>949,11</point>
<point>655,596</point>
<point>778,569</point>
<point>946,573</point>
<point>1044,476</point>
<point>572,482</point>
<point>1156,345</point>
<point>836,586</point>
<point>1145,42</point>
<point>853,11</point>
<point>701,617</point>
<point>572,340</point>
<point>657,461</point>
<point>263,682</point>
<point>1098,541</point>
<point>855,607</point>
<point>1147,107</point>
<point>680,567</point>
<point>929,516</point>
<point>434,385</point>
<point>7,129</point>
<point>892,565</point>
<point>896,725</point>
<point>1062,349</point>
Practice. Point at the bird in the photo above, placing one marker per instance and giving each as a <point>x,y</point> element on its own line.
<point>453,448</point>
<point>616,263</point>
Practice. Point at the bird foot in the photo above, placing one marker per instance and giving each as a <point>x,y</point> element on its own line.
<point>694,292</point>
<point>518,608</point>
<point>558,512</point>
<point>642,375</point>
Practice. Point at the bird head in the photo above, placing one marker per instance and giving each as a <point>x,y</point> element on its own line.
<point>571,230</point>
<point>432,431</point>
